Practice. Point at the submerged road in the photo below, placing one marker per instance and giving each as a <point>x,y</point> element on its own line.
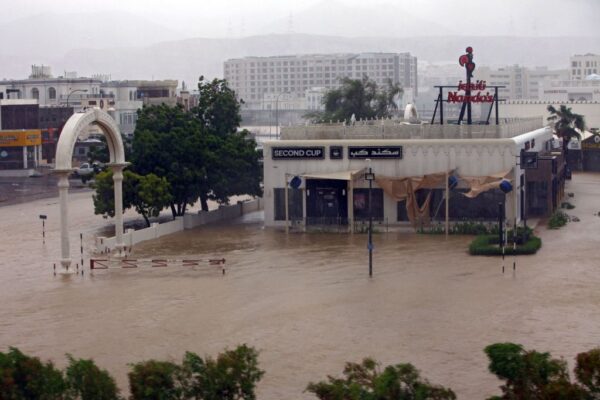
<point>304,300</point>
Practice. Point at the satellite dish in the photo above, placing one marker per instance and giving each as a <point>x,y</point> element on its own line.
<point>506,186</point>
<point>295,182</point>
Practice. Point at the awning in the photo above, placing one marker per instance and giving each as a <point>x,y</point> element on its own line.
<point>349,175</point>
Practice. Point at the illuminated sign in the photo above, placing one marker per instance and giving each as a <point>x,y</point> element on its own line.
<point>468,96</point>
<point>364,152</point>
<point>20,138</point>
<point>295,153</point>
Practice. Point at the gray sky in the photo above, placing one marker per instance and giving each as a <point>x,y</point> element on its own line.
<point>248,17</point>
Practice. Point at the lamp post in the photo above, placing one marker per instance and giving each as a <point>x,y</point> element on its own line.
<point>277,112</point>
<point>75,91</point>
<point>370,176</point>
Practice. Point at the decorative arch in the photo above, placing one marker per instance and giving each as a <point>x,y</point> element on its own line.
<point>74,126</point>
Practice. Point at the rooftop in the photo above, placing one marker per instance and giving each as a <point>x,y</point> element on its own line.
<point>399,129</point>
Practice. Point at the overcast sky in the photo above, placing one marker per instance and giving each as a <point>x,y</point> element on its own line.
<point>244,17</point>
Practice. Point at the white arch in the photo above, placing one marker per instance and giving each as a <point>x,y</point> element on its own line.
<point>75,125</point>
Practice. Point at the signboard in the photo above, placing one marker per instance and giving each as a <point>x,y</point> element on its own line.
<point>298,153</point>
<point>31,137</point>
<point>336,152</point>
<point>374,152</point>
<point>469,96</point>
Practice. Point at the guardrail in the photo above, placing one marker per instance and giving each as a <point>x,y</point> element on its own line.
<point>129,263</point>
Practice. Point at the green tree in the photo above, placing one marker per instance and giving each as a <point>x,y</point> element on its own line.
<point>155,380</point>
<point>86,381</point>
<point>566,123</point>
<point>168,142</point>
<point>359,97</point>
<point>529,374</point>
<point>23,378</point>
<point>231,376</point>
<point>587,371</point>
<point>366,381</point>
<point>218,110</point>
<point>100,153</point>
<point>148,194</point>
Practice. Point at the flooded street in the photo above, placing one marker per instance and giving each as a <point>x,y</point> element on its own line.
<point>304,300</point>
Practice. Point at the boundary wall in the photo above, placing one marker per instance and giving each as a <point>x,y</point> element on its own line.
<point>132,237</point>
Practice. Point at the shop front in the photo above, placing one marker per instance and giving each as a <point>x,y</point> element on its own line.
<point>20,151</point>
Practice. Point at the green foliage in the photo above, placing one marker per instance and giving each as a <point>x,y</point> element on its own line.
<point>148,195</point>
<point>155,380</point>
<point>566,123</point>
<point>23,377</point>
<point>530,374</point>
<point>231,376</point>
<point>86,381</point>
<point>366,381</point>
<point>557,220</point>
<point>218,110</point>
<point>361,97</point>
<point>487,245</point>
<point>461,228</point>
<point>587,371</point>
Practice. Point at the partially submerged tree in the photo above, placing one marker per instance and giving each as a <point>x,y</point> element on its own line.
<point>86,381</point>
<point>366,381</point>
<point>361,98</point>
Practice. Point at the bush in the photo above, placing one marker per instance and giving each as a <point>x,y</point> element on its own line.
<point>24,377</point>
<point>366,381</point>
<point>155,380</point>
<point>487,245</point>
<point>86,381</point>
<point>567,205</point>
<point>557,220</point>
<point>461,228</point>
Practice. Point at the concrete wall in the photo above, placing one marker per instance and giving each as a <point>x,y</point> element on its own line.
<point>189,221</point>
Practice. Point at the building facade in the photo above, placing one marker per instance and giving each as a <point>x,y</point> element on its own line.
<point>260,80</point>
<point>519,82</point>
<point>583,65</point>
<point>323,168</point>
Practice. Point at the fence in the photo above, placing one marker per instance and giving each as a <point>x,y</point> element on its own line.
<point>132,237</point>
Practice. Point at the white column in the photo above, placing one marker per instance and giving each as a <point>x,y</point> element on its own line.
<point>24,157</point>
<point>63,192</point>
<point>117,170</point>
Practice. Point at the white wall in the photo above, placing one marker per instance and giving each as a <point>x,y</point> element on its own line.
<point>523,109</point>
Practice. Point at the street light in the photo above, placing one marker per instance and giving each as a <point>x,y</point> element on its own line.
<point>75,91</point>
<point>370,176</point>
<point>277,112</point>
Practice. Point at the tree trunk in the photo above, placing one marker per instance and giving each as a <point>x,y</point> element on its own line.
<point>204,202</point>
<point>173,210</point>
<point>146,219</point>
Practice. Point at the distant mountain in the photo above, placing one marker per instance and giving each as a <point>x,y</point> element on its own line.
<point>187,59</point>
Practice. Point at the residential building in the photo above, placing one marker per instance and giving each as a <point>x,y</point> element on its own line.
<point>584,65</point>
<point>519,82</point>
<point>259,81</point>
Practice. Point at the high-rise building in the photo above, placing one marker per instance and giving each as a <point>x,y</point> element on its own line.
<point>584,65</point>
<point>260,80</point>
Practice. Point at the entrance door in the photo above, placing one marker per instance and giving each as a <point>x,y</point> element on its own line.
<point>326,202</point>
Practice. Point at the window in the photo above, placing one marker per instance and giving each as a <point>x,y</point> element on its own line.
<point>361,204</point>
<point>35,93</point>
<point>294,204</point>
<point>51,93</point>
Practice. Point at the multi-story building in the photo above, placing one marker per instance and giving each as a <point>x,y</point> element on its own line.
<point>260,80</point>
<point>519,82</point>
<point>584,65</point>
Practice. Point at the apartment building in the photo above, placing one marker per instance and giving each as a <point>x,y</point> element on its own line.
<point>584,65</point>
<point>519,82</point>
<point>260,80</point>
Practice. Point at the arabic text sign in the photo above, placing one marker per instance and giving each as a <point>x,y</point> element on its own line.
<point>294,153</point>
<point>363,152</point>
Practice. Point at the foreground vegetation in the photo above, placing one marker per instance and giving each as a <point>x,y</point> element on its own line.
<point>233,375</point>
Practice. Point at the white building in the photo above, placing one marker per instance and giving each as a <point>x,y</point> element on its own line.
<point>257,79</point>
<point>325,166</point>
<point>584,65</point>
<point>520,82</point>
<point>587,89</point>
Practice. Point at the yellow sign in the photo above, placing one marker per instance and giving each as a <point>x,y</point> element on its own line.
<point>31,137</point>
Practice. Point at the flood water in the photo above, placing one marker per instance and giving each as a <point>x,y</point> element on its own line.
<point>304,300</point>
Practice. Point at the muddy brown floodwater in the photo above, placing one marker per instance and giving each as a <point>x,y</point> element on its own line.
<point>304,300</point>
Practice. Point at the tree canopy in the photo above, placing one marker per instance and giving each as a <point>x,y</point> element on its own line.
<point>362,98</point>
<point>566,123</point>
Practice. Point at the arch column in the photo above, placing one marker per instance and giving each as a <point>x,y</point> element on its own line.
<point>63,193</point>
<point>117,170</point>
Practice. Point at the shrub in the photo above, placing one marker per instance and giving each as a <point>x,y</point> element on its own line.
<point>155,380</point>
<point>557,220</point>
<point>86,381</point>
<point>366,381</point>
<point>487,245</point>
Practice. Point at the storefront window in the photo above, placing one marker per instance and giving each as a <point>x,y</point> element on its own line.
<point>361,204</point>
<point>294,204</point>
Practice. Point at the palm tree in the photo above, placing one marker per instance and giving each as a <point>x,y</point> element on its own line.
<point>566,123</point>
